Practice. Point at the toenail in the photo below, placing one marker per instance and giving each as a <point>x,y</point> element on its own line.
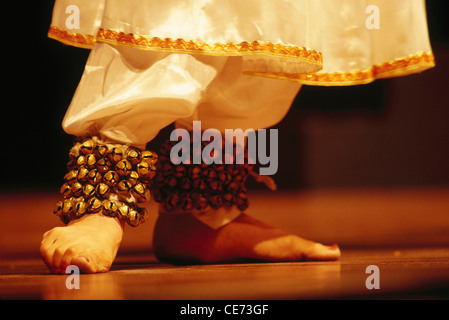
<point>333,247</point>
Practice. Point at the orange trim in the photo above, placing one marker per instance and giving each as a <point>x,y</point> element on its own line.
<point>218,48</point>
<point>73,39</point>
<point>398,67</point>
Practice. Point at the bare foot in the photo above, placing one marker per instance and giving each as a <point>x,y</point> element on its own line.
<point>91,243</point>
<point>181,238</point>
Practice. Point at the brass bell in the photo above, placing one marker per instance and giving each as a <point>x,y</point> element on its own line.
<point>133,218</point>
<point>94,176</point>
<point>167,168</point>
<point>87,146</point>
<point>81,160</point>
<point>242,201</point>
<point>102,190</point>
<point>216,186</point>
<point>201,203</point>
<point>187,203</point>
<point>195,172</point>
<point>171,181</point>
<point>233,187</point>
<point>133,178</point>
<point>67,207</point>
<point>199,184</point>
<point>216,201</point>
<point>71,176</point>
<point>143,168</point>
<point>224,176</point>
<point>212,175</point>
<point>100,151</point>
<point>228,198</point>
<point>103,165</point>
<point>174,199</point>
<point>111,178</point>
<point>115,155</point>
<point>180,171</point>
<point>124,186</point>
<point>141,193</point>
<point>123,211</point>
<point>149,156</point>
<point>58,208</point>
<point>90,161</point>
<point>82,174</point>
<point>88,191</point>
<point>133,156</point>
<point>167,205</point>
<point>109,207</point>
<point>80,208</point>
<point>66,190</point>
<point>94,205</point>
<point>185,183</point>
<point>242,195</point>
<point>77,189</point>
<point>123,167</point>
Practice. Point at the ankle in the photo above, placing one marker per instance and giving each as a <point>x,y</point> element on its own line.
<point>99,220</point>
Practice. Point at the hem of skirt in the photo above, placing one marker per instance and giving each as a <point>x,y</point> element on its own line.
<point>403,66</point>
<point>278,50</point>
<point>72,39</point>
<point>411,64</point>
<point>266,48</point>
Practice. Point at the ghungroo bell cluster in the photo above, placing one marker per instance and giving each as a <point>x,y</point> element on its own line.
<point>107,178</point>
<point>187,187</point>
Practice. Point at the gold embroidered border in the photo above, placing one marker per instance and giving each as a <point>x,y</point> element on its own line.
<point>398,67</point>
<point>200,47</point>
<point>73,39</point>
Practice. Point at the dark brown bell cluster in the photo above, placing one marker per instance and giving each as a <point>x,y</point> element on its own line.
<point>189,187</point>
<point>107,178</point>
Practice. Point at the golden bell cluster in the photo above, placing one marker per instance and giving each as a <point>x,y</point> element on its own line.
<point>187,187</point>
<point>106,178</point>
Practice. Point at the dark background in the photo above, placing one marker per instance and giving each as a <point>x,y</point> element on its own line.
<point>391,133</point>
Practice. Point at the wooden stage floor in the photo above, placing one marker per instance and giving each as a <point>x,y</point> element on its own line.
<point>403,274</point>
<point>405,233</point>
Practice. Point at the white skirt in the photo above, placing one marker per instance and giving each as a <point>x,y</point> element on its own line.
<point>317,42</point>
<point>158,62</point>
<point>225,63</point>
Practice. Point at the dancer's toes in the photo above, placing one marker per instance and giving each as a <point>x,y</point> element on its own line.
<point>90,243</point>
<point>294,248</point>
<point>318,251</point>
<point>183,238</point>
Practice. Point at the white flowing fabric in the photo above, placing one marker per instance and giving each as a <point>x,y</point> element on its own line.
<point>129,96</point>
<point>153,63</point>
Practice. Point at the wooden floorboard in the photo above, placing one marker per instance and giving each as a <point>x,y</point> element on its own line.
<point>408,273</point>
<point>405,232</point>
